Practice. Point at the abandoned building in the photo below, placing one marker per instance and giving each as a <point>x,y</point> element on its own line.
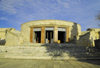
<point>47,31</point>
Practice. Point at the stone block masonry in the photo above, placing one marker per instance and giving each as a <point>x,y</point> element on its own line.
<point>47,52</point>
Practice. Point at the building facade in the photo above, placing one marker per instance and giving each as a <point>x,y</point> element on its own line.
<point>49,31</point>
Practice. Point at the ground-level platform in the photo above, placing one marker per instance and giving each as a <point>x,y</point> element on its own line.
<point>20,63</point>
<point>49,51</point>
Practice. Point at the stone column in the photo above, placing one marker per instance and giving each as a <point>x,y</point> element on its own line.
<point>55,34</point>
<point>43,34</point>
<point>31,34</point>
<point>67,34</point>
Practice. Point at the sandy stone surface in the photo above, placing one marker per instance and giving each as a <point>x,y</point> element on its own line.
<point>21,63</point>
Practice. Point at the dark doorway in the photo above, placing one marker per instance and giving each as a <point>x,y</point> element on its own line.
<point>49,36</point>
<point>61,36</point>
<point>38,36</point>
<point>97,43</point>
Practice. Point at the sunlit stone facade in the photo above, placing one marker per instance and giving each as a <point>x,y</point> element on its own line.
<point>49,31</point>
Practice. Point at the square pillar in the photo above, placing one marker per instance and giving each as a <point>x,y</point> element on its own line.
<point>67,34</point>
<point>55,34</point>
<point>43,34</point>
<point>31,34</point>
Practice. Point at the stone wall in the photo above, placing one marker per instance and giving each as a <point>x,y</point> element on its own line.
<point>84,39</point>
<point>74,29</point>
<point>94,35</point>
<point>3,32</point>
<point>13,37</point>
<point>3,35</point>
<point>88,37</point>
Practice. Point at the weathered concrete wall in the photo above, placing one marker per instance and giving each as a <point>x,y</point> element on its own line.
<point>75,29</point>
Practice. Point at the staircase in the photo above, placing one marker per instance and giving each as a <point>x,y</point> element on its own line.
<point>49,51</point>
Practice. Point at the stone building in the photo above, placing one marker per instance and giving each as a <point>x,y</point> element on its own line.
<point>44,31</point>
<point>49,31</point>
<point>88,37</point>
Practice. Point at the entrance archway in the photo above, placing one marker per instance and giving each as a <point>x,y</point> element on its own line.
<point>49,36</point>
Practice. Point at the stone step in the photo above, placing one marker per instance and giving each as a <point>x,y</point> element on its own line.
<point>49,51</point>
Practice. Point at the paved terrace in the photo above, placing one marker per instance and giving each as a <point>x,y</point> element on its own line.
<point>22,63</point>
<point>84,58</point>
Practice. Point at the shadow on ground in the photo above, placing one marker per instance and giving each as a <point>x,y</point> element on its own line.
<point>89,54</point>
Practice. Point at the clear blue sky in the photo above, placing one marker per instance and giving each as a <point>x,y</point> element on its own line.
<point>15,12</point>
